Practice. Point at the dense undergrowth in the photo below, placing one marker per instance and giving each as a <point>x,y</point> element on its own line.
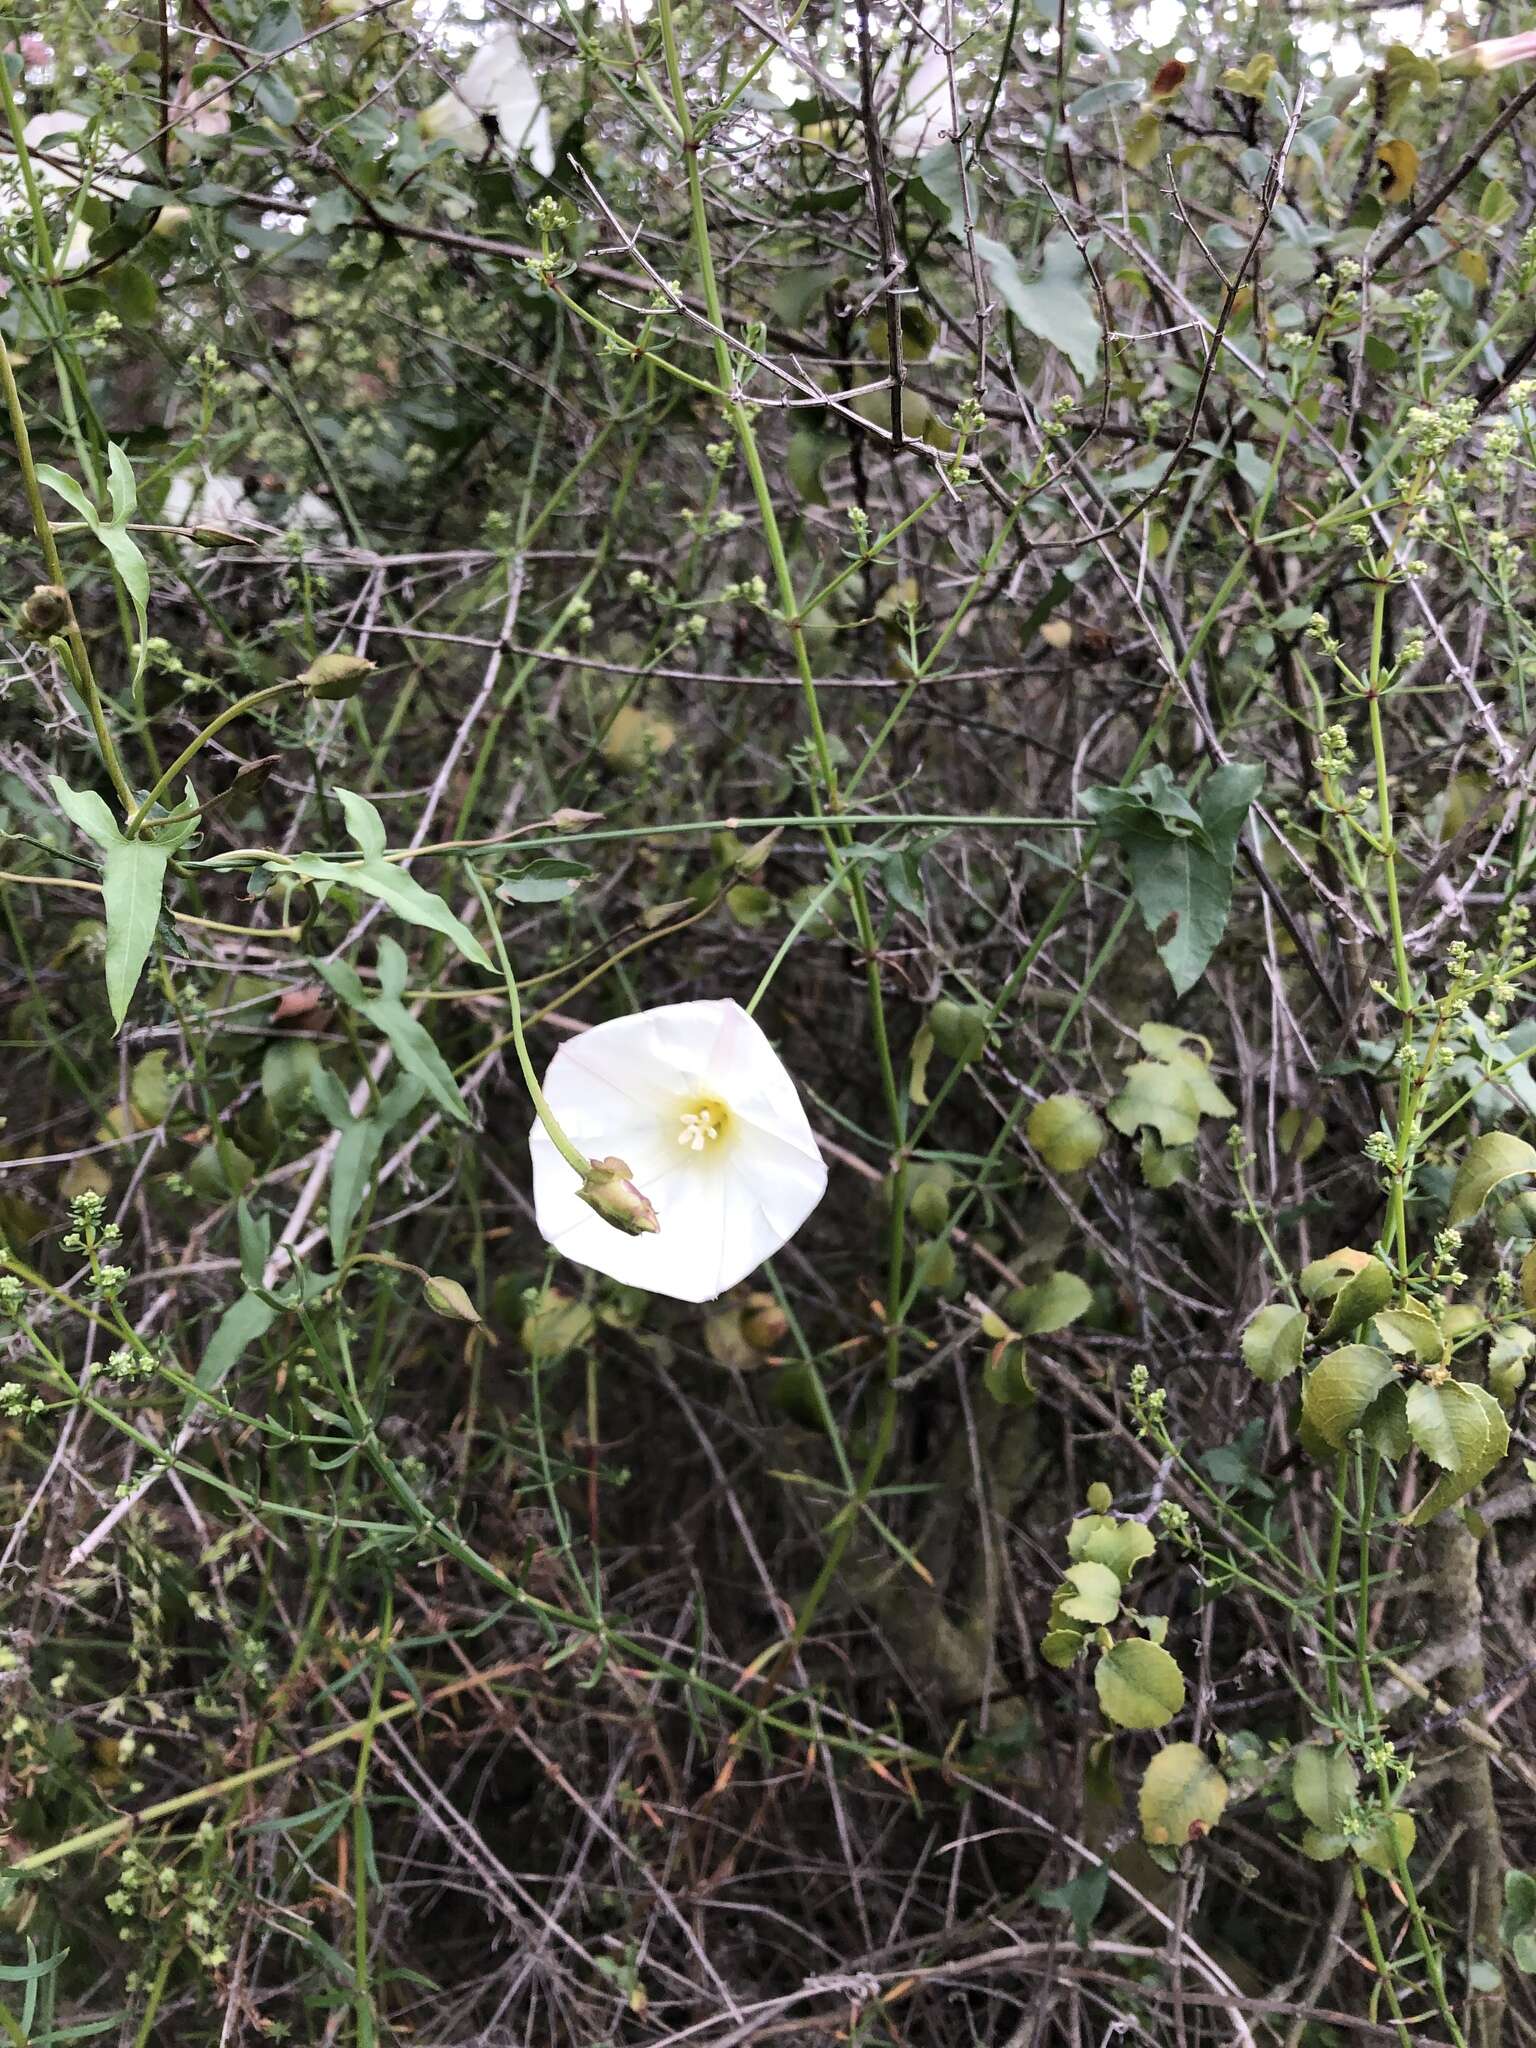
<point>1002,542</point>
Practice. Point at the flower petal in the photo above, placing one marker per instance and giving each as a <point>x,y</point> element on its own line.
<point>618,1088</point>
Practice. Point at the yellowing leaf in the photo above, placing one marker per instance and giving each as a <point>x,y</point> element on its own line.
<point>635,738</point>
<point>1138,1684</point>
<point>1158,1095</point>
<point>1389,1843</point>
<point>1094,1595</point>
<point>1399,172</point>
<point>1183,1796</point>
<point>1066,1132</point>
<point>1249,80</point>
<point>1143,140</point>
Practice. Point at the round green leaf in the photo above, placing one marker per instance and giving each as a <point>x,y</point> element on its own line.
<point>1120,1545</point>
<point>1051,1304</point>
<point>959,1029</point>
<point>1490,1160</point>
<point>1341,1387</point>
<point>1059,1647</point>
<point>1138,1684</point>
<point>1095,1595</point>
<point>1066,1132</point>
<point>1183,1796</point>
<point>1273,1341</point>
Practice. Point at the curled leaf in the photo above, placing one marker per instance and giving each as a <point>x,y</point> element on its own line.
<point>1490,1160</point>
<point>1341,1387</point>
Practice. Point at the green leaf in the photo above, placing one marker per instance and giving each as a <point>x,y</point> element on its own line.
<point>358,1147</point>
<point>1180,859</point>
<point>133,885</point>
<point>411,1042</point>
<point>241,1324</point>
<point>1517,1924</point>
<point>1191,1056</point>
<point>1095,1594</point>
<point>1448,1424</point>
<point>364,825</point>
<point>122,490</point>
<point>1359,1298</point>
<point>121,547</point>
<point>149,1089</point>
<point>1083,1897</point>
<point>1388,1843</point>
<point>1489,1161</point>
<point>1102,1540</point>
<point>1272,1342</point>
<point>1138,1684</point>
<point>1060,1647</point>
<point>394,887</point>
<point>544,881</point>
<point>1323,1785</point>
<point>1051,1304</point>
<point>1066,1132</point>
<point>1057,307</point>
<point>1183,1796</point>
<point>1447,1491</point>
<point>1341,1387</point>
<point>1161,1096</point>
<point>1322,1846</point>
<point>1411,1332</point>
<point>1384,1425</point>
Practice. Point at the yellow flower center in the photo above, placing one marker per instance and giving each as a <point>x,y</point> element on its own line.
<point>703,1125</point>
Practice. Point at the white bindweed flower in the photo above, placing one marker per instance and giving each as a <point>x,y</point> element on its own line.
<point>497,85</point>
<point>921,116</point>
<point>696,1103</point>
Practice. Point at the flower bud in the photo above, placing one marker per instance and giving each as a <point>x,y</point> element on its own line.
<point>763,1323</point>
<point>331,677</point>
<point>446,1297</point>
<point>46,611</point>
<point>609,1190</point>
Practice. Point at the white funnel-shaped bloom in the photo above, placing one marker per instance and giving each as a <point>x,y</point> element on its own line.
<point>497,82</point>
<point>695,1101</point>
